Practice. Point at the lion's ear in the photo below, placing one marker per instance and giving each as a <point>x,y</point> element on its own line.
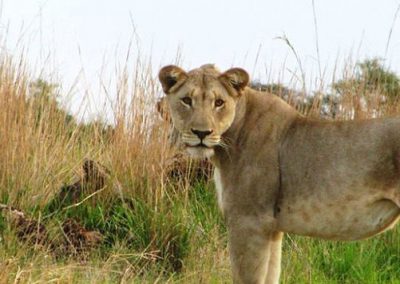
<point>236,77</point>
<point>171,77</point>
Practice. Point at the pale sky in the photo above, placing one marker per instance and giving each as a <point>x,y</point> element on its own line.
<point>65,37</point>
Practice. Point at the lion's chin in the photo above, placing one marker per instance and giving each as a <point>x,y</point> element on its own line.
<point>200,152</point>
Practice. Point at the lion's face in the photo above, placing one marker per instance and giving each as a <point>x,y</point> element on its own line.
<point>202,104</point>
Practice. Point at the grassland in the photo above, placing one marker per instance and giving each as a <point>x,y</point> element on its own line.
<point>155,228</point>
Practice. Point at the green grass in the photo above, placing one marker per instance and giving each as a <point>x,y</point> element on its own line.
<point>375,260</point>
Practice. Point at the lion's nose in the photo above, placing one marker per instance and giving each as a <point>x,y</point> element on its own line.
<point>201,133</point>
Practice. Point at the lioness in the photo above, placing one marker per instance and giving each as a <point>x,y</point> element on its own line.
<point>277,171</point>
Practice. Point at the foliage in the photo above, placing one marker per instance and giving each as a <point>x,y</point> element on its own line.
<point>371,76</point>
<point>44,98</point>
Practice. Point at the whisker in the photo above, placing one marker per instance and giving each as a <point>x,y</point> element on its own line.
<point>226,144</point>
<point>227,141</point>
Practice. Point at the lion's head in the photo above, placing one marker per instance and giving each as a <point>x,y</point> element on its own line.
<point>202,104</point>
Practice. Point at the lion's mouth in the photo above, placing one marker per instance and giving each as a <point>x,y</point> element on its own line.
<point>200,145</point>
<point>199,150</point>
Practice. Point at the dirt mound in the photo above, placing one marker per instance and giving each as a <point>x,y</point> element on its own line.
<point>77,241</point>
<point>27,229</point>
<point>181,167</point>
<point>93,179</point>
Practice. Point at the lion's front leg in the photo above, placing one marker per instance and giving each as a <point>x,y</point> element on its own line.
<point>274,264</point>
<point>250,251</point>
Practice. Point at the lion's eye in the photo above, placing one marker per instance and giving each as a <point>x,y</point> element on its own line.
<point>187,101</point>
<point>219,103</point>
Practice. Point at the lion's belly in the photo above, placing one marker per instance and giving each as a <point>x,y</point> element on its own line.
<point>337,219</point>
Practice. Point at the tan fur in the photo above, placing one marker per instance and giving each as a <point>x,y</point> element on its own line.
<point>280,172</point>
